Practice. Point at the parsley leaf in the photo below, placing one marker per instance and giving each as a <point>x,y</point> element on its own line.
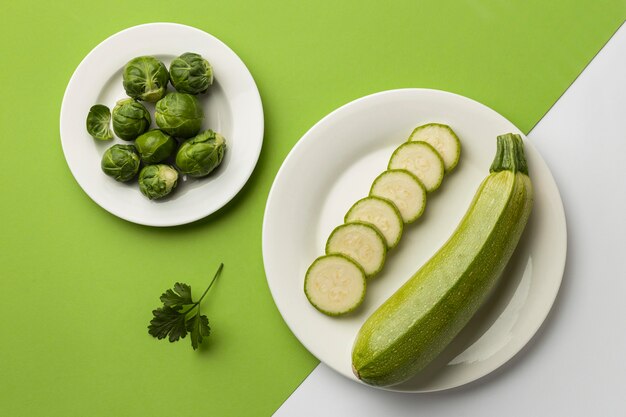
<point>168,321</point>
<point>198,327</point>
<point>171,321</point>
<point>179,296</point>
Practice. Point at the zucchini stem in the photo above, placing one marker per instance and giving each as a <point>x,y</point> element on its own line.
<point>510,154</point>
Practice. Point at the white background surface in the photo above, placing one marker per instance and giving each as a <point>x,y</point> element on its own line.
<point>575,365</point>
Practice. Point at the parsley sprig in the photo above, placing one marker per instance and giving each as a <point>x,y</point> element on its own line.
<point>176,318</point>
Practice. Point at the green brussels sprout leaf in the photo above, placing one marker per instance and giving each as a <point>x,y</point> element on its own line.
<point>155,146</point>
<point>157,181</point>
<point>130,119</point>
<point>98,122</point>
<point>145,78</point>
<point>200,155</point>
<point>179,114</point>
<point>190,73</point>
<point>120,162</point>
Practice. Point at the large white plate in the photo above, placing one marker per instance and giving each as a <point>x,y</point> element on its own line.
<point>334,164</point>
<point>232,107</point>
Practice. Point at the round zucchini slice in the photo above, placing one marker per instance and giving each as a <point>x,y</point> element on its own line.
<point>404,190</point>
<point>335,284</point>
<point>420,159</point>
<point>360,242</point>
<point>443,139</point>
<point>380,213</point>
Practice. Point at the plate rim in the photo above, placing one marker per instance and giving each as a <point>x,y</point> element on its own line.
<point>552,184</point>
<point>255,101</point>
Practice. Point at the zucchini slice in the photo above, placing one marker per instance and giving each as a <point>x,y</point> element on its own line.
<point>360,242</point>
<point>334,284</point>
<point>404,190</point>
<point>443,139</point>
<point>380,213</point>
<point>422,160</point>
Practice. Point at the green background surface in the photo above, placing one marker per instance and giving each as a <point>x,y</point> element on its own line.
<point>78,284</point>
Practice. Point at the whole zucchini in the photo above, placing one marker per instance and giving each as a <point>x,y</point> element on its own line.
<point>420,319</point>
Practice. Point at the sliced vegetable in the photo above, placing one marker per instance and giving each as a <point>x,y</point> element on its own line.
<point>380,213</point>
<point>443,139</point>
<point>420,319</point>
<point>404,190</point>
<point>420,159</point>
<point>335,284</point>
<point>362,243</point>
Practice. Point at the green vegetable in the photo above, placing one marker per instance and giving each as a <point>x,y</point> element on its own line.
<point>200,155</point>
<point>417,322</point>
<point>362,243</point>
<point>380,213</point>
<point>120,162</point>
<point>157,181</point>
<point>98,122</point>
<point>335,284</point>
<point>443,139</point>
<point>177,317</point>
<point>155,146</point>
<point>421,160</point>
<point>404,190</point>
<point>179,114</point>
<point>130,119</point>
<point>190,73</point>
<point>145,78</point>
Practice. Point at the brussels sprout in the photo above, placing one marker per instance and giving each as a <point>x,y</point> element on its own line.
<point>157,181</point>
<point>98,121</point>
<point>145,78</point>
<point>130,119</point>
<point>190,73</point>
<point>179,114</point>
<point>155,146</point>
<point>199,156</point>
<point>120,162</point>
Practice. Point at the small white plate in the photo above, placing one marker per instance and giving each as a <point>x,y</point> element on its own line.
<point>231,107</point>
<point>333,165</point>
